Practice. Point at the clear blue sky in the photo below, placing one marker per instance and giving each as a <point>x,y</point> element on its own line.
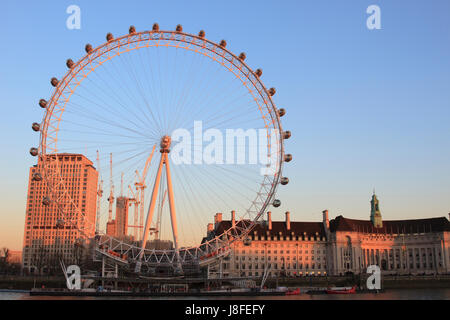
<point>367,108</point>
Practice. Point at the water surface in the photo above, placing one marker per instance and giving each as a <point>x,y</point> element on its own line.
<point>391,294</point>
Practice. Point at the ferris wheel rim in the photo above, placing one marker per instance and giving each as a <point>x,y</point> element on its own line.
<point>138,37</point>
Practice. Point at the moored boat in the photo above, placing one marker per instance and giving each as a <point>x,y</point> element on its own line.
<point>293,292</point>
<point>341,290</point>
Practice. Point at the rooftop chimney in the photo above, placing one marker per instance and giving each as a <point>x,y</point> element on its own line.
<point>210,228</point>
<point>288,220</point>
<point>269,219</point>
<point>217,219</point>
<point>326,221</point>
<point>233,218</point>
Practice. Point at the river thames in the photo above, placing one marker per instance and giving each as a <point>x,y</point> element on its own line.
<point>391,294</point>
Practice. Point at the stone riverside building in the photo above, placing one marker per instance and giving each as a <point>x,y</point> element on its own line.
<point>337,246</point>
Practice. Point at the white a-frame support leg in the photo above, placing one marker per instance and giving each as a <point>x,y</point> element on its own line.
<point>151,210</point>
<point>173,217</point>
<point>148,221</point>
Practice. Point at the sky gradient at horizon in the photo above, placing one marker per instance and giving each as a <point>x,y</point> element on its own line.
<point>366,108</point>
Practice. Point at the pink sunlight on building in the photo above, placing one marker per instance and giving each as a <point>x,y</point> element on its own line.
<point>49,235</point>
<point>118,227</point>
<point>337,247</point>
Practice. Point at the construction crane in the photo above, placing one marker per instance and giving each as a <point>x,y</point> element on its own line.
<point>135,201</point>
<point>121,185</point>
<point>140,186</point>
<point>111,193</point>
<point>99,194</point>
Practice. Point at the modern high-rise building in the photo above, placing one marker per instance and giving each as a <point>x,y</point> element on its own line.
<point>53,220</point>
<point>122,204</point>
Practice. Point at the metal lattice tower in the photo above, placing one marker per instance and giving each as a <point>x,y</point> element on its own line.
<point>111,193</point>
<point>99,194</point>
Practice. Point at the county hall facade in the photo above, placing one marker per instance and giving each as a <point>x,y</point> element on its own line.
<point>337,247</point>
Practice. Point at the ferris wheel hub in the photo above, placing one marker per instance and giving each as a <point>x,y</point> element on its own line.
<point>165,144</point>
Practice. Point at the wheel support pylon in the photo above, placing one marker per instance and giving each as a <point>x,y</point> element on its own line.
<point>165,145</point>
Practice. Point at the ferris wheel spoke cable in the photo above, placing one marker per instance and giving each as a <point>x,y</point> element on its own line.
<point>173,87</point>
<point>158,102</point>
<point>127,166</point>
<point>177,81</point>
<point>204,105</point>
<point>209,180</point>
<point>204,93</point>
<point>107,107</point>
<point>192,199</point>
<point>163,98</point>
<point>105,158</point>
<point>130,166</point>
<point>124,105</point>
<point>110,123</point>
<point>193,83</point>
<point>109,93</point>
<point>184,92</point>
<point>223,92</point>
<point>236,179</point>
<point>222,125</point>
<point>151,91</point>
<point>200,184</point>
<point>130,94</point>
<point>123,85</point>
<point>106,138</point>
<point>212,81</point>
<point>227,124</point>
<point>104,143</point>
<point>240,171</point>
<point>138,86</point>
<point>104,133</point>
<point>182,84</point>
<point>93,148</point>
<point>192,194</point>
<point>222,182</point>
<point>221,107</point>
<point>166,111</point>
<point>196,201</point>
<point>195,105</point>
<point>89,114</point>
<point>224,107</point>
<point>233,107</point>
<point>159,107</point>
<point>229,121</point>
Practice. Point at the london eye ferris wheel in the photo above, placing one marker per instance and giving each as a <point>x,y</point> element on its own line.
<point>159,106</point>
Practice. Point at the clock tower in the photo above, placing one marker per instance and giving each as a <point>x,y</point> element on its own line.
<point>375,214</point>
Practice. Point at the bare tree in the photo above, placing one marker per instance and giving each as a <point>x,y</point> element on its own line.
<point>39,259</point>
<point>4,255</point>
<point>54,263</point>
<point>78,252</point>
